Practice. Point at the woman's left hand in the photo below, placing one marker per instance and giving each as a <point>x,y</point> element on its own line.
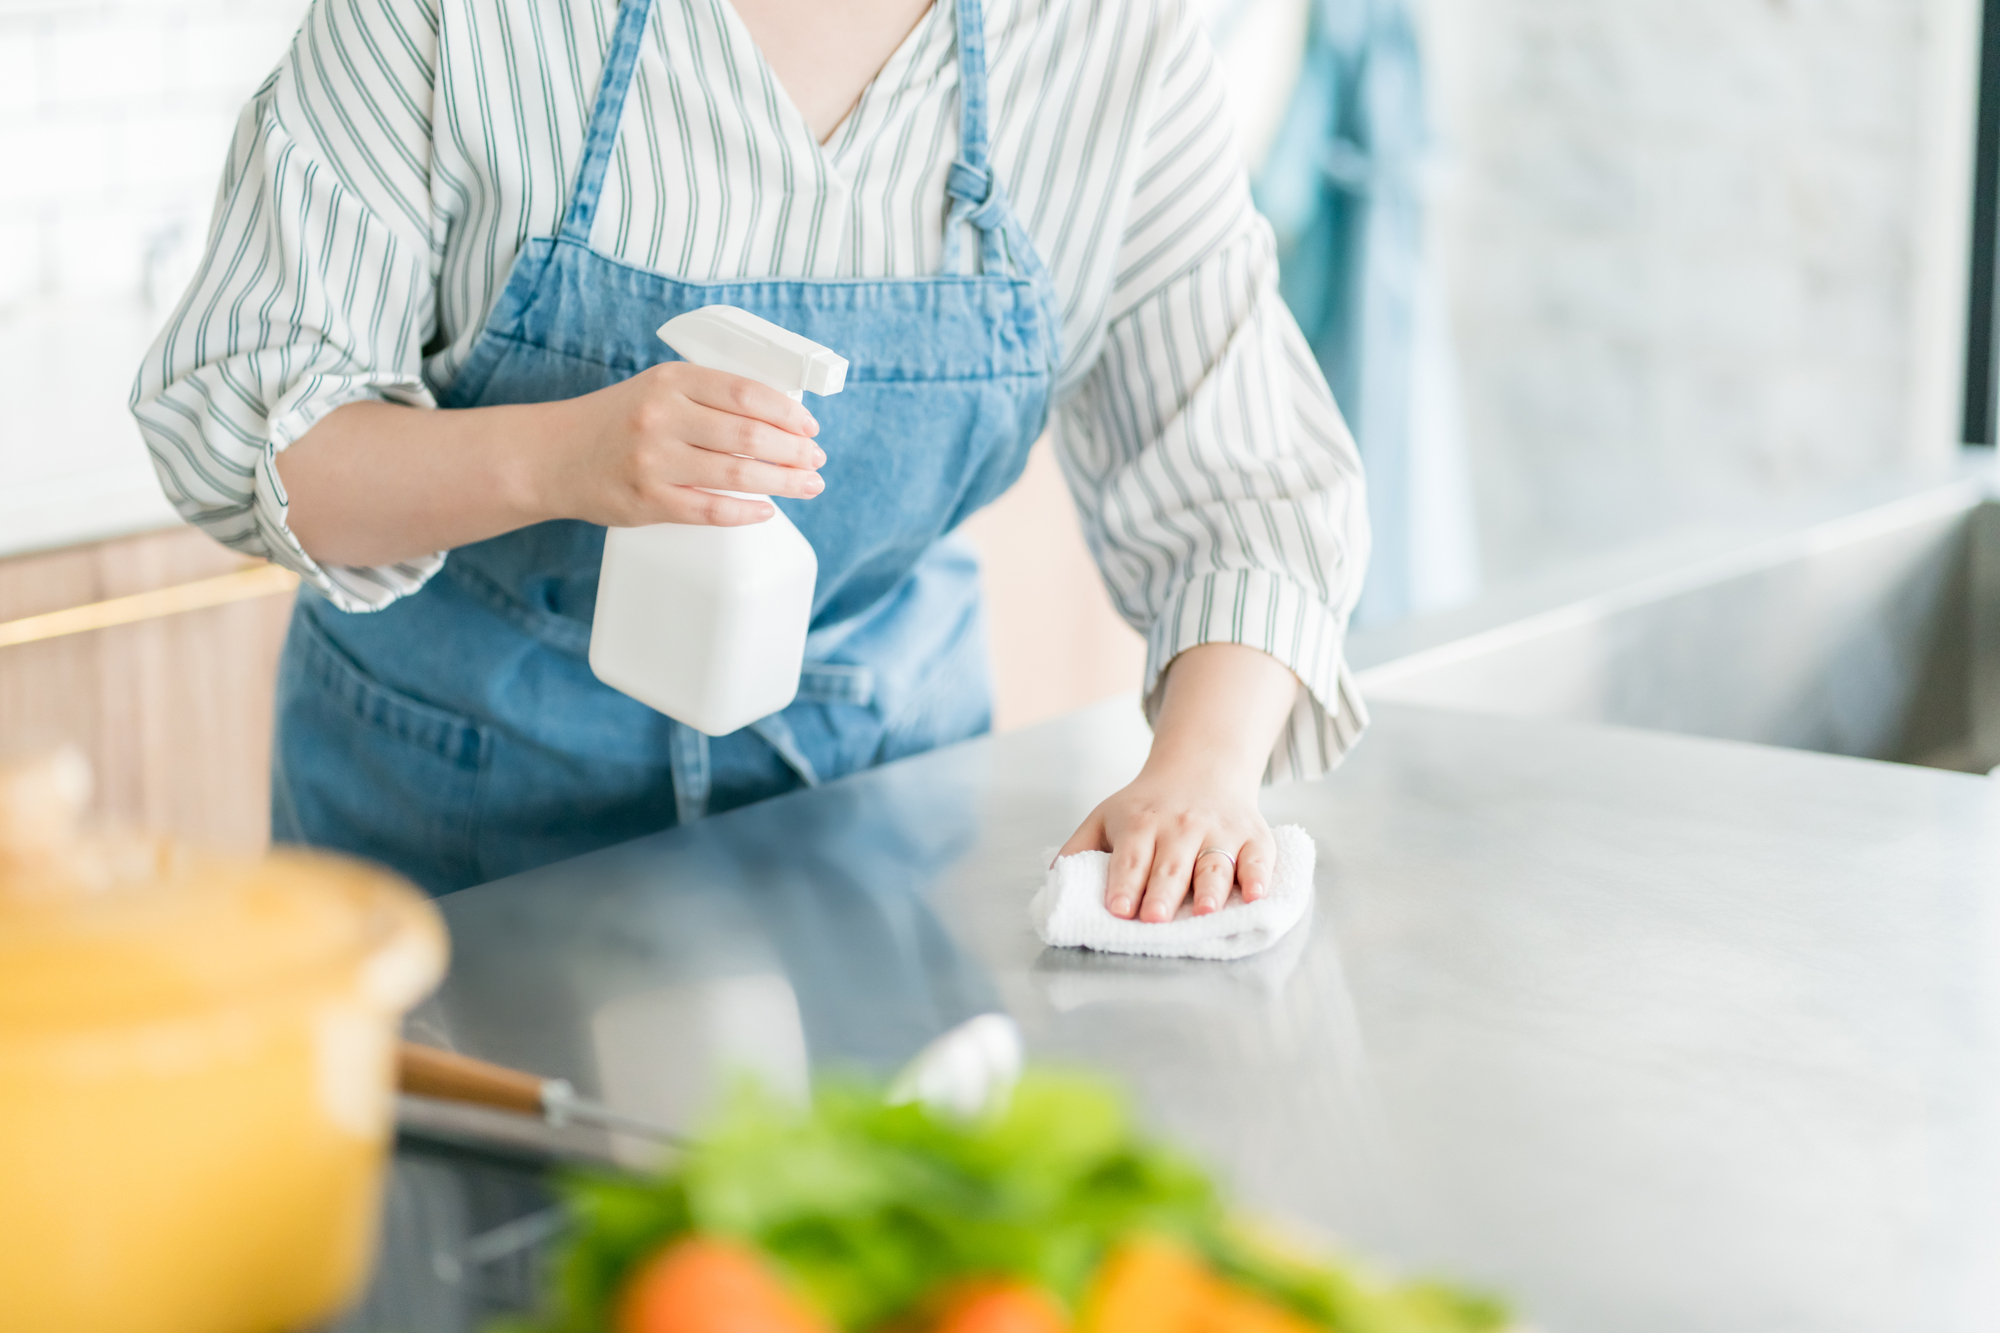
<point>1222,709</point>
<point>1157,831</point>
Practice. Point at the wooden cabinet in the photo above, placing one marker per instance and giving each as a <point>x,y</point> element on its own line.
<point>174,710</point>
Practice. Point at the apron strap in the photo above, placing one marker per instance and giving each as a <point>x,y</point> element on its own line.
<point>972,143</point>
<point>687,757</point>
<point>694,778</point>
<point>977,198</point>
<point>602,136</point>
<point>777,733</point>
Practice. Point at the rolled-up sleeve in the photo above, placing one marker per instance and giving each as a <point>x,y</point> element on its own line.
<point>315,290</point>
<point>1220,490</point>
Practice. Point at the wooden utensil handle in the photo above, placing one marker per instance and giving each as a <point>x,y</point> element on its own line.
<point>427,1071</point>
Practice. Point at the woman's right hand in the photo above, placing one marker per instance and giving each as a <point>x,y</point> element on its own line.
<point>372,483</point>
<point>656,447</point>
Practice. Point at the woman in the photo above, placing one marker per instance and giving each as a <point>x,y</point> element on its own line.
<point>446,233</point>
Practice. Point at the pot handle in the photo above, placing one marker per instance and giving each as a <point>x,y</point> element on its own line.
<point>426,1071</point>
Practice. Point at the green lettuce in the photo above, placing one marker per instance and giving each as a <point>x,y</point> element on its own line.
<point>867,1208</point>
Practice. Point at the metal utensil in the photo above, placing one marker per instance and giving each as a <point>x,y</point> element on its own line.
<point>427,1071</point>
<point>965,1070</point>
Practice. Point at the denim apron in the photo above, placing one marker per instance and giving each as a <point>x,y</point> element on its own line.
<point>458,735</point>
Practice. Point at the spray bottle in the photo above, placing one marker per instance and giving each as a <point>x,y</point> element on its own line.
<point>708,624</point>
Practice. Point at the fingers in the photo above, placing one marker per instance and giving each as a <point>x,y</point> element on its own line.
<point>1214,877</point>
<point>686,504</point>
<point>692,431</point>
<point>1156,854</point>
<point>730,435</point>
<point>1254,865</point>
<point>694,464</point>
<point>1173,869</point>
<point>1125,884</point>
<point>1196,866</point>
<point>740,397</point>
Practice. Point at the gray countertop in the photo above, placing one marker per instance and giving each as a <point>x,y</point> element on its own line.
<point>1647,1032</point>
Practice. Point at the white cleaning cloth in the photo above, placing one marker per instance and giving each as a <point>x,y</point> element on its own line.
<point>1069,912</point>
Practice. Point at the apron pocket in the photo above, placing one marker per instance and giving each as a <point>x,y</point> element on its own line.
<point>360,768</point>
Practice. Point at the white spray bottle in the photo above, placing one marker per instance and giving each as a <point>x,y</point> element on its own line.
<point>707,624</point>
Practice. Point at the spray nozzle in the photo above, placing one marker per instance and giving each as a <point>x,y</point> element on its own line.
<point>737,341</point>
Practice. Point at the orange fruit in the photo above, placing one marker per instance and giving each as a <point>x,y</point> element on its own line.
<point>703,1285</point>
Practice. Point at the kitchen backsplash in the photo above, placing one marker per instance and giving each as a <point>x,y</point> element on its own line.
<point>1704,254</point>
<point>114,118</point>
<point>1701,251</point>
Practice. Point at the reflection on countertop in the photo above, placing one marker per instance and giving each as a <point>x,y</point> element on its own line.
<point>1649,1032</point>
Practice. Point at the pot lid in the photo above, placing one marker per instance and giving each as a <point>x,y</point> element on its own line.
<point>101,925</point>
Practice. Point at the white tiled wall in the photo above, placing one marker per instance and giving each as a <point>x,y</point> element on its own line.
<point>114,119</point>
<point>1702,250</point>
<point>1704,253</point>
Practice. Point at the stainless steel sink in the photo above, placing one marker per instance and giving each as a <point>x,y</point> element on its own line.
<point>1871,630</point>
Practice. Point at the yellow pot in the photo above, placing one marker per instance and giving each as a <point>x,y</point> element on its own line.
<point>195,1073</point>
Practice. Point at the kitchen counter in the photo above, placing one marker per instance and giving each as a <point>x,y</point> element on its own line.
<point>1648,1032</point>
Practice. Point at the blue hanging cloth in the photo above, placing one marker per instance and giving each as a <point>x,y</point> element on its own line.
<point>1342,187</point>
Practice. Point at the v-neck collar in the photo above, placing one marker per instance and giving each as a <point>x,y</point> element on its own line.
<point>888,79</point>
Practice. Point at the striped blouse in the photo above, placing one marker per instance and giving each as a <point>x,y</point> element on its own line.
<point>382,179</point>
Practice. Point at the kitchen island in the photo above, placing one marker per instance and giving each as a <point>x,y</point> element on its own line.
<point>1647,1032</point>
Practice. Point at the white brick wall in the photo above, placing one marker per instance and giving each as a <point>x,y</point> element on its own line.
<point>1704,252</point>
<point>114,117</point>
